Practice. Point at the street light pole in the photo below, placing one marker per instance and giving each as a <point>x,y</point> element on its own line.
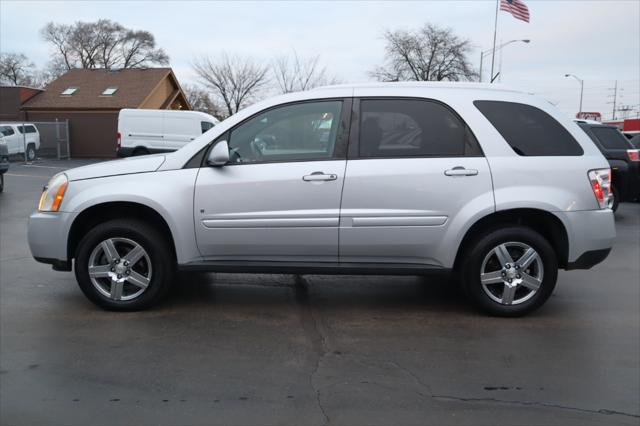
<point>581,88</point>
<point>486,52</point>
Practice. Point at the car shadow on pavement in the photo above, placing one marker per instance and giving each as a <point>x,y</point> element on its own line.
<point>391,293</point>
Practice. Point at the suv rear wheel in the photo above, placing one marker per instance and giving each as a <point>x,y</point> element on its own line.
<point>124,265</point>
<point>31,152</point>
<point>510,271</point>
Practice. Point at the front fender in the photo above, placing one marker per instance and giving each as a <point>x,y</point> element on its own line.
<point>169,193</point>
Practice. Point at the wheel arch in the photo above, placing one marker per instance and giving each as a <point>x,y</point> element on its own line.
<point>544,222</point>
<point>102,212</point>
<point>140,149</point>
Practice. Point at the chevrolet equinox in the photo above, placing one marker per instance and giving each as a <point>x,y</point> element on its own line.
<point>495,186</point>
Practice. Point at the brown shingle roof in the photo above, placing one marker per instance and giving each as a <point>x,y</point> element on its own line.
<point>134,85</point>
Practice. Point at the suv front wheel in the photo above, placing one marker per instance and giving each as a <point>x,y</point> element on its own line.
<point>510,271</point>
<point>124,265</point>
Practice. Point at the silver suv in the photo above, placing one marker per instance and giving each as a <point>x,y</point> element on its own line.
<point>494,185</point>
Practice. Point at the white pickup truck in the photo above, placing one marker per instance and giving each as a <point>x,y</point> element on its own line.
<point>21,138</point>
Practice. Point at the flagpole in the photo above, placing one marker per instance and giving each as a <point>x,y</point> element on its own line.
<point>495,32</point>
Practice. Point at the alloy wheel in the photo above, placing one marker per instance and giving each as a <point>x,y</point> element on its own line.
<point>511,273</point>
<point>120,269</point>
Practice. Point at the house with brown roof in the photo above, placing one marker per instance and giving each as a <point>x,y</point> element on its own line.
<point>11,100</point>
<point>91,99</point>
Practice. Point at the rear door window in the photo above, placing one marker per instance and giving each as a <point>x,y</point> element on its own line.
<point>27,129</point>
<point>610,138</point>
<point>397,128</point>
<point>528,130</point>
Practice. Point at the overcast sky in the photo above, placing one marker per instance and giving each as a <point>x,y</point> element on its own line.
<point>597,40</point>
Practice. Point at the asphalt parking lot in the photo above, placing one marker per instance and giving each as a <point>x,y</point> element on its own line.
<point>310,350</point>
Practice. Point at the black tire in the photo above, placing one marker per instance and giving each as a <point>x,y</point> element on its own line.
<point>140,151</point>
<point>482,245</point>
<point>156,246</point>
<point>31,152</point>
<point>2,182</point>
<point>616,198</point>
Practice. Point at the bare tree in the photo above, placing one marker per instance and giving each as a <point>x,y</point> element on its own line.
<point>200,100</point>
<point>428,54</point>
<point>138,48</point>
<point>233,80</point>
<point>60,36</point>
<point>16,69</point>
<point>293,73</point>
<point>102,44</point>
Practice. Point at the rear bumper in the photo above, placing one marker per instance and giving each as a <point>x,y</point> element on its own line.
<point>589,259</point>
<point>591,235</point>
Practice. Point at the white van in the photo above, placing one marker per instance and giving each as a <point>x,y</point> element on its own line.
<point>146,131</point>
<point>20,137</point>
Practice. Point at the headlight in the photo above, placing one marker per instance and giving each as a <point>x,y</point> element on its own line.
<point>53,193</point>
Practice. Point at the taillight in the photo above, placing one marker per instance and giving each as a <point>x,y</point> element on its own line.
<point>118,140</point>
<point>601,185</point>
<point>634,154</point>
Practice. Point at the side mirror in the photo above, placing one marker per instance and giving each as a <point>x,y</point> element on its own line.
<point>219,155</point>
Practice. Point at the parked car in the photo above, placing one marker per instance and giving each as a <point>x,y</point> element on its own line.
<point>20,137</point>
<point>149,131</point>
<point>635,141</point>
<point>623,158</point>
<point>495,186</point>
<point>4,161</point>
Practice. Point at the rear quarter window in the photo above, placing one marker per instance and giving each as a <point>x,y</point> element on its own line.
<point>528,130</point>
<point>610,138</point>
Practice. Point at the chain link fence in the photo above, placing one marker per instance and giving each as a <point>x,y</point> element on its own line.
<point>51,136</point>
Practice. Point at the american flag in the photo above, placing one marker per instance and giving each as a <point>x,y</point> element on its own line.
<point>517,8</point>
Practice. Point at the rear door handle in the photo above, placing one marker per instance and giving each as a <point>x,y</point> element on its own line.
<point>460,171</point>
<point>319,176</point>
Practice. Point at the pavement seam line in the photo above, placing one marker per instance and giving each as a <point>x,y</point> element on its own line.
<point>534,403</point>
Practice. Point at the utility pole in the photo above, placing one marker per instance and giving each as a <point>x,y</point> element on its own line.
<point>615,99</point>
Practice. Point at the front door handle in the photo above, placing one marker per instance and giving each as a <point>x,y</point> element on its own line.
<point>319,176</point>
<point>460,171</point>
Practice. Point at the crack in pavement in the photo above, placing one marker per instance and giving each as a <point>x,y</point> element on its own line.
<point>415,378</point>
<point>534,403</point>
<point>316,331</point>
<point>312,325</point>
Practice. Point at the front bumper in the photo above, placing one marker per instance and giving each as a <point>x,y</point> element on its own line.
<point>47,236</point>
